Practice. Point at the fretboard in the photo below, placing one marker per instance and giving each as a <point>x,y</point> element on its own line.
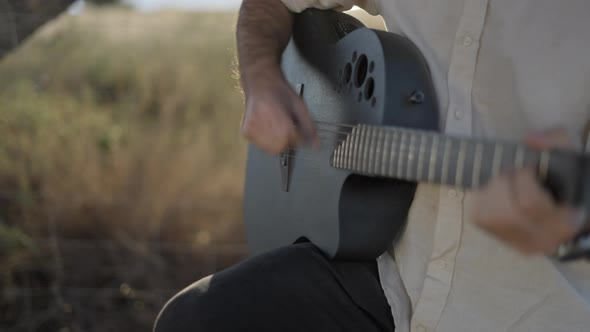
<point>423,156</point>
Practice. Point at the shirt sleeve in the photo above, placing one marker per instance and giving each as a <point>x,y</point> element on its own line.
<point>298,6</point>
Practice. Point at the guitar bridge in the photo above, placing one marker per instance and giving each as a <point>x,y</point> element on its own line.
<point>285,164</point>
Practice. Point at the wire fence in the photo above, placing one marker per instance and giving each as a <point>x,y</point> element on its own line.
<point>104,285</point>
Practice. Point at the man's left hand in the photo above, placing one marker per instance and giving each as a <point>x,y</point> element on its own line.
<point>516,209</point>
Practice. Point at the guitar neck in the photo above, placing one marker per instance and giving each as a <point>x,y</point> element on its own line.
<point>423,156</point>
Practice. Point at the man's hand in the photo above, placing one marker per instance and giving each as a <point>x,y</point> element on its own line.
<point>276,117</point>
<point>520,212</point>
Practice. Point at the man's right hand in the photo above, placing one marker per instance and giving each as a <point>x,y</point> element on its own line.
<point>276,117</point>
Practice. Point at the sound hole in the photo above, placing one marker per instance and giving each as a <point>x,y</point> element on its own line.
<point>362,67</point>
<point>347,73</point>
<point>369,88</point>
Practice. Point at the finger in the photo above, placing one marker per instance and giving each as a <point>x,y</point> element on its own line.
<point>519,237</point>
<point>555,138</point>
<point>530,198</point>
<point>548,226</point>
<point>496,214</point>
<point>284,134</point>
<point>296,138</point>
<point>551,225</point>
<point>557,228</point>
<point>303,121</point>
<point>269,130</point>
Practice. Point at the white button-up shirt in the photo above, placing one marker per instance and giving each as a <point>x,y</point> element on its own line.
<point>501,68</point>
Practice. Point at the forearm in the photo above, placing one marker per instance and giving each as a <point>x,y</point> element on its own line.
<point>263,31</point>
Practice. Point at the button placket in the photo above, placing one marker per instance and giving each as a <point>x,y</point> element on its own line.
<point>467,41</point>
<point>437,286</point>
<point>441,263</point>
<point>421,328</point>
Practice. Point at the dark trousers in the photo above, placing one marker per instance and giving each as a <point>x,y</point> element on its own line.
<point>291,289</point>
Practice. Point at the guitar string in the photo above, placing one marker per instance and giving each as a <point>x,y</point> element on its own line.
<point>325,133</point>
<point>309,155</point>
<point>335,142</point>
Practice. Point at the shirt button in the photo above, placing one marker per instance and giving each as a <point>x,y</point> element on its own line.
<point>459,114</point>
<point>453,193</point>
<point>467,41</point>
<point>440,264</point>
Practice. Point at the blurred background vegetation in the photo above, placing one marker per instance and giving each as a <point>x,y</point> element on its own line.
<point>121,167</point>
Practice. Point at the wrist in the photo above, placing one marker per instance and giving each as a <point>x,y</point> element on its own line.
<point>259,75</point>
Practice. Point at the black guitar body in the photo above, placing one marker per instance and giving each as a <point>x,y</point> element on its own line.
<point>347,74</point>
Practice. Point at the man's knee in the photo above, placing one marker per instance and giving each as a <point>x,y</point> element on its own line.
<point>188,310</point>
<point>243,295</point>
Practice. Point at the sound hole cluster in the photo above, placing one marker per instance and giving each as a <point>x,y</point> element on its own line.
<point>356,78</point>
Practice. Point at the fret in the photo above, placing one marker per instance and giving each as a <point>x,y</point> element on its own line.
<point>544,164</point>
<point>421,151</point>
<point>362,147</point>
<point>497,159</point>
<point>336,157</point>
<point>392,152</point>
<point>371,150</point>
<point>368,148</point>
<point>520,155</point>
<point>344,154</point>
<point>477,165</point>
<point>333,159</point>
<point>341,149</point>
<point>378,152</point>
<point>433,155</point>
<point>359,147</point>
<point>354,147</point>
<point>400,158</point>
<point>461,164</point>
<point>411,151</point>
<point>351,147</point>
<point>345,150</point>
<point>385,150</point>
<point>446,156</point>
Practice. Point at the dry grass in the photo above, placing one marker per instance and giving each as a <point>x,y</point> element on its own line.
<point>118,127</point>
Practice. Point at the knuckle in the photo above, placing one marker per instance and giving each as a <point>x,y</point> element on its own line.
<point>248,129</point>
<point>528,204</point>
<point>274,149</point>
<point>565,231</point>
<point>280,144</point>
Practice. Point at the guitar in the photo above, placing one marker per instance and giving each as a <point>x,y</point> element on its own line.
<point>375,109</point>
